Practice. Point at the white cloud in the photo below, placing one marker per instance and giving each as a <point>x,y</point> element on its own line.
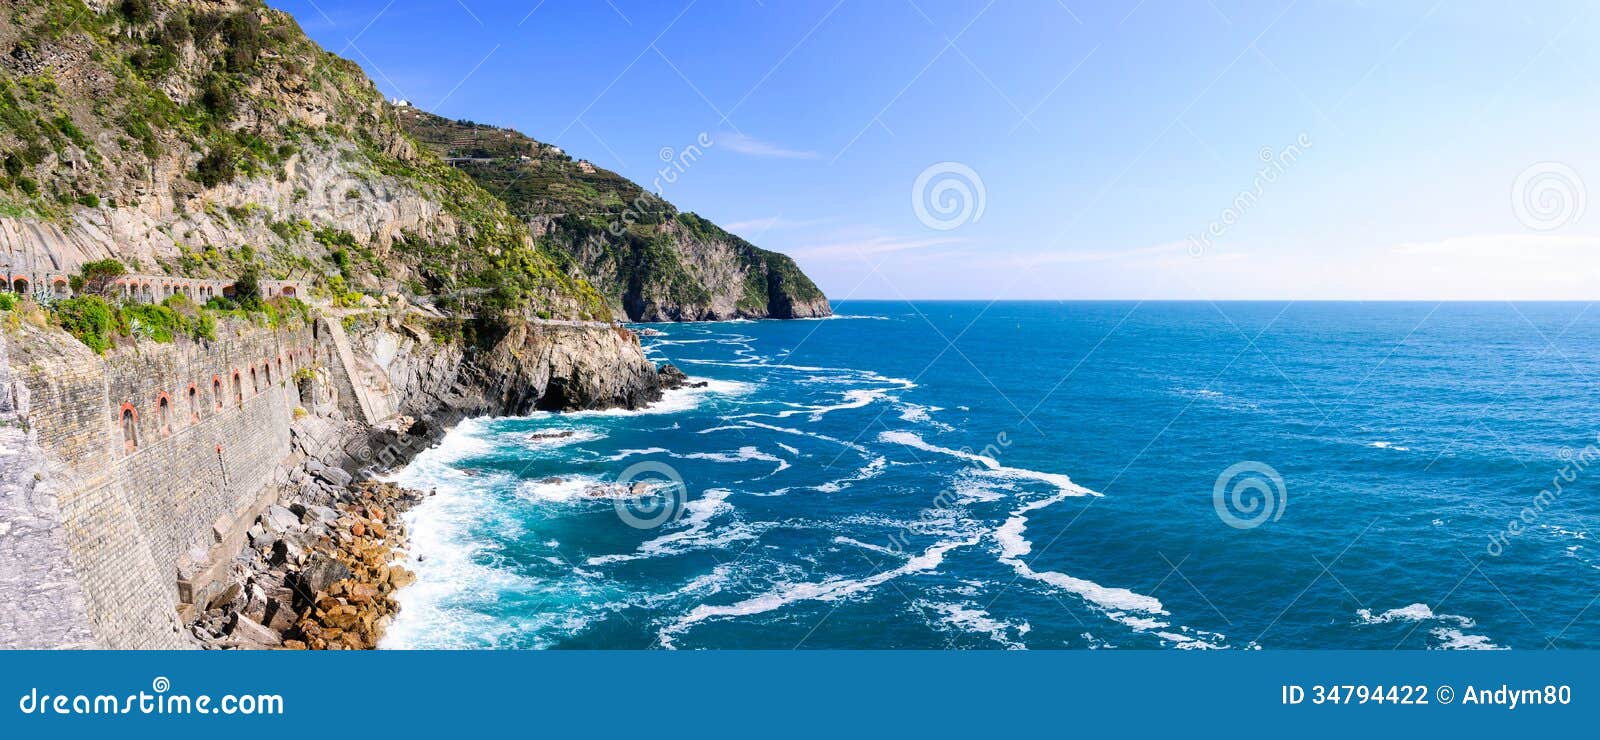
<point>757,148</point>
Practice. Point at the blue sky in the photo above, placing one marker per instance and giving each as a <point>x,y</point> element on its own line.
<point>1411,149</point>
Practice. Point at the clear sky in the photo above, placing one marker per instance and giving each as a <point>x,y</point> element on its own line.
<point>1108,149</point>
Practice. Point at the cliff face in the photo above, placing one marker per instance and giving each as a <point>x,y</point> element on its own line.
<point>649,260</point>
<point>203,137</point>
<point>428,374</point>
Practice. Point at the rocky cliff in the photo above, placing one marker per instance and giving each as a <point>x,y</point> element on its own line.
<point>203,137</point>
<point>649,260</point>
<point>207,139</point>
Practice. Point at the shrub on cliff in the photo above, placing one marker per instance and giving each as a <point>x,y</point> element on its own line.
<point>96,277</point>
<point>89,318</point>
<point>199,323</point>
<point>157,323</point>
<point>8,301</point>
<point>165,323</point>
<point>247,290</point>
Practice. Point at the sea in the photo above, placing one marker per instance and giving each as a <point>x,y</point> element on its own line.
<point>1042,475</point>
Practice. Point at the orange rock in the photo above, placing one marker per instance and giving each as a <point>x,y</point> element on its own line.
<point>362,592</point>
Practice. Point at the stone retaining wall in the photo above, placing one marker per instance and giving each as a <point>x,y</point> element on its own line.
<point>150,448</point>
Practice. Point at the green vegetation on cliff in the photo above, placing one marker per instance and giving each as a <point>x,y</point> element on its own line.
<point>201,104</point>
<point>648,258</point>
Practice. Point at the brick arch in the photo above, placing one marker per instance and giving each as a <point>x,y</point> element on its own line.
<point>128,419</point>
<point>163,414</point>
<point>216,390</point>
<point>238,388</point>
<point>193,396</point>
<point>266,368</point>
<point>255,381</point>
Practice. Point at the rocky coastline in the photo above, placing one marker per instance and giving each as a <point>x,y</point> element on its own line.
<point>321,567</point>
<point>319,576</point>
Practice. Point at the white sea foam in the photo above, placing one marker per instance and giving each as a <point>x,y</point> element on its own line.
<point>880,549</point>
<point>625,454</point>
<point>918,414</point>
<point>1449,637</point>
<point>545,439</point>
<point>1062,483</point>
<point>468,439</point>
<point>1382,445</point>
<point>829,590</point>
<point>1136,611</point>
<point>970,618</point>
<point>980,489</point>
<point>1418,612</point>
<point>1564,532</point>
<point>452,565</point>
<point>873,468</point>
<point>853,399</point>
<point>803,433</point>
<point>788,449</point>
<point>692,532</point>
<point>745,454</point>
<point>1106,597</point>
<point>1453,639</point>
<point>672,402</point>
<point>559,488</point>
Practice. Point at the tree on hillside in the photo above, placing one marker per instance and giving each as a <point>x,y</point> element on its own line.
<point>96,278</point>
<point>247,289</point>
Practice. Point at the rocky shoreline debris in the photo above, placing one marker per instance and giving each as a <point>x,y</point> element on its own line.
<point>671,377</point>
<point>319,576</point>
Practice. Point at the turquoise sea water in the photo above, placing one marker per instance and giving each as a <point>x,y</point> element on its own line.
<point>1044,475</point>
